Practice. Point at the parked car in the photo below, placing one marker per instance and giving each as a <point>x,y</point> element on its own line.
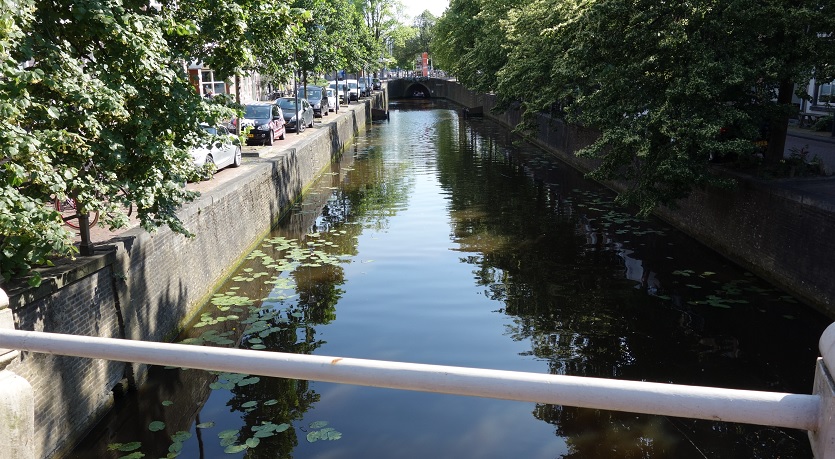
<point>267,121</point>
<point>292,120</point>
<point>341,90</point>
<point>377,84</point>
<point>353,89</point>
<point>317,98</point>
<point>364,90</point>
<point>332,98</point>
<point>221,150</point>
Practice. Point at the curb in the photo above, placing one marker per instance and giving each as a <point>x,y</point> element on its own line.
<point>817,138</point>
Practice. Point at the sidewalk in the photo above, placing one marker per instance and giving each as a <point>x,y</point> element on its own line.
<point>252,155</point>
<point>815,143</point>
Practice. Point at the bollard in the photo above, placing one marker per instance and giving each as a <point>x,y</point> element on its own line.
<point>823,438</point>
<point>17,400</point>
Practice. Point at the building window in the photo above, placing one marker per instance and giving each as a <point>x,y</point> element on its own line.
<point>208,85</point>
<point>826,93</point>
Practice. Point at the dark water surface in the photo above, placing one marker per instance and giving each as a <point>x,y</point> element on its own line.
<point>448,241</point>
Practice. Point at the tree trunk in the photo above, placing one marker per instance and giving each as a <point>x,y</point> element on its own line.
<point>778,126</point>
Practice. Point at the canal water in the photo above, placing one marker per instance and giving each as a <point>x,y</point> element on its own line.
<point>449,241</point>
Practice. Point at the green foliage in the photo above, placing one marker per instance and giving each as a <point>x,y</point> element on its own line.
<point>659,81</point>
<point>99,106</point>
<point>468,41</point>
<point>823,123</point>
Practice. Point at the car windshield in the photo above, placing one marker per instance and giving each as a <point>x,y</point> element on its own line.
<point>210,129</point>
<point>352,85</point>
<point>257,111</point>
<point>287,104</point>
<point>314,93</point>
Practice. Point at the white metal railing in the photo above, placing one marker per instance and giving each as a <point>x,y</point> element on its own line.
<point>766,408</point>
<point>798,411</point>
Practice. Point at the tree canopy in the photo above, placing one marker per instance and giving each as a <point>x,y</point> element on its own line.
<point>659,80</point>
<point>96,103</point>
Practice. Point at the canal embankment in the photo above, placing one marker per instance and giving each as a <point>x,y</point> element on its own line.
<point>781,229</point>
<point>145,286</point>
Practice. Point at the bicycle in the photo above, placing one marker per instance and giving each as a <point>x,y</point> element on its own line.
<point>69,213</point>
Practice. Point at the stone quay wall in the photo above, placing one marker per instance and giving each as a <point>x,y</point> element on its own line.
<point>145,286</point>
<point>771,228</point>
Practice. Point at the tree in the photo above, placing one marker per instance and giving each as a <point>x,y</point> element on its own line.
<point>468,41</point>
<point>660,81</point>
<point>402,46</point>
<point>101,110</point>
<point>408,42</point>
<point>424,25</point>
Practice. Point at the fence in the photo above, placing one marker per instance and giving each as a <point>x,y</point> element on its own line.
<point>813,413</point>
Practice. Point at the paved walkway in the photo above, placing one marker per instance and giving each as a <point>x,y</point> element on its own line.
<point>820,144</point>
<point>252,155</point>
<point>819,191</point>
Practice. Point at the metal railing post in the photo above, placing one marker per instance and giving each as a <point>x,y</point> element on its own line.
<point>17,400</point>
<point>823,438</point>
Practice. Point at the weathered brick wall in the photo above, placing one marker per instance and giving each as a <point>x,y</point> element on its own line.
<point>154,283</point>
<point>780,235</point>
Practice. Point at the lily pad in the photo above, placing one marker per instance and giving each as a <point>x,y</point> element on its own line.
<point>232,449</point>
<point>156,426</point>
<point>124,447</point>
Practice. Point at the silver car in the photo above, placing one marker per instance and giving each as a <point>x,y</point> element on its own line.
<point>223,150</point>
<point>292,120</point>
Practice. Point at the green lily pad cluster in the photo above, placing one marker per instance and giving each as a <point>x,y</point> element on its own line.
<point>261,318</point>
<point>229,381</point>
<point>321,432</point>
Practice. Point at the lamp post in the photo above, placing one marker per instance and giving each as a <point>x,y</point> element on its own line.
<point>296,93</point>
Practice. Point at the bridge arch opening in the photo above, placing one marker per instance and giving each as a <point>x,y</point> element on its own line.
<point>417,91</point>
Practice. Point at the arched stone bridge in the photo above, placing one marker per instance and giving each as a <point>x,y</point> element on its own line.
<point>410,88</point>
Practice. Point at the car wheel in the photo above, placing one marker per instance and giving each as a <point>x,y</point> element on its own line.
<point>270,138</point>
<point>209,166</point>
<point>312,119</point>
<point>300,127</point>
<point>236,161</point>
<point>283,131</point>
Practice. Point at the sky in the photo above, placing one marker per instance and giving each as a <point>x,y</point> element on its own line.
<point>414,8</point>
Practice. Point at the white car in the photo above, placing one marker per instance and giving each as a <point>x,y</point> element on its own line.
<point>353,89</point>
<point>225,149</point>
<point>332,97</point>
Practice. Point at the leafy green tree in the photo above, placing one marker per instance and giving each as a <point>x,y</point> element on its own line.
<point>661,81</point>
<point>424,25</point>
<point>100,111</point>
<point>402,46</point>
<point>468,41</point>
<point>97,107</point>
<point>410,41</point>
<point>325,39</point>
<point>378,22</point>
<point>233,37</point>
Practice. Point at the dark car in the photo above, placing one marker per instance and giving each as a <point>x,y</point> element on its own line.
<point>291,121</point>
<point>377,84</point>
<point>267,121</point>
<point>318,99</point>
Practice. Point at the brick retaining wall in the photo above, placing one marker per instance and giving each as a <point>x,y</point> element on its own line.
<point>147,286</point>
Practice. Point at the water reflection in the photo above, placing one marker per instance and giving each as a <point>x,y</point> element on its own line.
<point>448,241</point>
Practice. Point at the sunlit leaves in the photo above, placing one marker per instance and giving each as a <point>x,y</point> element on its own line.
<point>125,138</point>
